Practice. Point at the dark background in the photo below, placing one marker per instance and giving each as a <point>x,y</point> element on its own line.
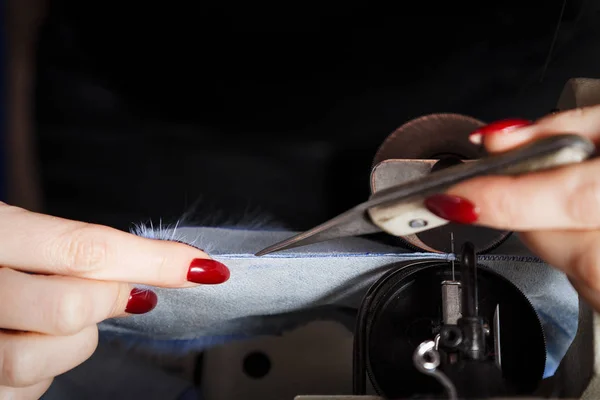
<point>274,111</point>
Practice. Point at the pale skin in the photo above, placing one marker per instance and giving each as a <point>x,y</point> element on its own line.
<point>556,213</point>
<point>59,278</point>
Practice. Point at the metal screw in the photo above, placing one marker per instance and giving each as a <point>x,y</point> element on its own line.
<point>486,329</point>
<point>417,223</point>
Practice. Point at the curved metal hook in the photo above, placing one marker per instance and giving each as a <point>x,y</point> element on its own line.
<point>426,360</point>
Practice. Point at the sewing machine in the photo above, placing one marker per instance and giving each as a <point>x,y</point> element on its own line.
<point>315,361</point>
<point>389,353</point>
<point>398,316</point>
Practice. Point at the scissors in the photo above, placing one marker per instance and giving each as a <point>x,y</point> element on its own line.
<point>400,210</point>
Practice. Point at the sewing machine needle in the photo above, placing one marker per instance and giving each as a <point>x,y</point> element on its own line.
<point>452,250</point>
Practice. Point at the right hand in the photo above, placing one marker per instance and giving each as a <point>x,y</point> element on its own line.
<point>59,278</point>
<point>556,212</point>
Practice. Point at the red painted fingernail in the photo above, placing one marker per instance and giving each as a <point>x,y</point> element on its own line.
<point>503,126</point>
<point>452,208</point>
<point>141,301</point>
<point>207,272</point>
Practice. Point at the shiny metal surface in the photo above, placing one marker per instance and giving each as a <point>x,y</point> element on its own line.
<point>386,208</point>
<point>426,360</point>
<point>497,343</point>
<point>451,302</point>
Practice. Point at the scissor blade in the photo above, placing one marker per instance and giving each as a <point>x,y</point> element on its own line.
<point>354,222</point>
<point>404,199</point>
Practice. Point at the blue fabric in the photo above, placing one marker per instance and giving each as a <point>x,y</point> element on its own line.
<point>114,373</point>
<point>275,293</point>
<point>190,394</point>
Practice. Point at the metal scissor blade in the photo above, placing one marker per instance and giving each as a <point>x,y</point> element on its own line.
<point>497,346</point>
<point>353,222</point>
<point>406,200</point>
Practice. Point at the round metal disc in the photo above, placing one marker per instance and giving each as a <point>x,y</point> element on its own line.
<point>407,311</point>
<point>437,136</point>
<point>430,137</point>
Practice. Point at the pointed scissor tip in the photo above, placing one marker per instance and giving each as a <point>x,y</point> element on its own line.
<point>274,248</point>
<point>283,245</point>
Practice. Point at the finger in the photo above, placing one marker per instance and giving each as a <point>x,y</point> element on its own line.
<point>508,134</point>
<point>577,254</point>
<point>49,245</point>
<point>33,392</point>
<point>60,305</point>
<point>566,198</point>
<point>29,358</point>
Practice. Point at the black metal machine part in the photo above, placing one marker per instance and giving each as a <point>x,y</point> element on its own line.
<point>403,309</point>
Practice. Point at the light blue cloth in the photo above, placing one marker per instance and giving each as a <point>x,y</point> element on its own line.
<point>278,292</point>
<point>114,374</point>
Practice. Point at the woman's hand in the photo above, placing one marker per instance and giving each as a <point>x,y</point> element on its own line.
<point>59,278</point>
<point>557,213</point>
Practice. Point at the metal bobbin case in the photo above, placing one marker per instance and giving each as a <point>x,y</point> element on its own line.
<point>421,331</point>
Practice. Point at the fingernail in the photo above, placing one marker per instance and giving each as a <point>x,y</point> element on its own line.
<point>503,126</point>
<point>207,272</point>
<point>141,301</point>
<point>452,208</point>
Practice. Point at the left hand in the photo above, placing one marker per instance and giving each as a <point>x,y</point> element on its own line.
<point>60,278</point>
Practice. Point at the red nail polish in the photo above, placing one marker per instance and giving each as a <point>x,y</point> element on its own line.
<point>141,301</point>
<point>503,126</point>
<point>207,272</point>
<point>452,208</point>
